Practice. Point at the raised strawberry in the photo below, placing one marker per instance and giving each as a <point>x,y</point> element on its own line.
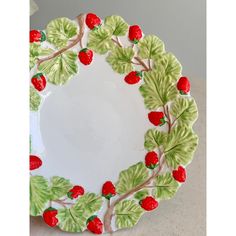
<point>133,77</point>
<point>151,160</point>
<point>37,36</point>
<point>49,216</point>
<point>92,21</point>
<point>135,33</point>
<point>156,118</point>
<point>183,85</point>
<point>95,225</point>
<point>86,56</point>
<point>148,203</point>
<point>108,190</point>
<point>35,162</point>
<point>75,192</point>
<point>179,174</point>
<point>39,81</point>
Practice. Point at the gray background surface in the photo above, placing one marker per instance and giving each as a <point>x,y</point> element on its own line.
<point>181,25</point>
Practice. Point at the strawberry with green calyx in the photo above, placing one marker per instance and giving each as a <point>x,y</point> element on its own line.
<point>148,203</point>
<point>49,216</point>
<point>92,21</point>
<point>183,85</point>
<point>157,118</point>
<point>39,81</point>
<point>85,56</point>
<point>151,160</point>
<point>179,174</point>
<point>108,190</point>
<point>37,36</point>
<point>75,192</point>
<point>35,162</point>
<point>133,77</point>
<point>95,225</point>
<point>135,33</point>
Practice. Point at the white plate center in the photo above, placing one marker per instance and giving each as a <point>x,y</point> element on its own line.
<point>93,127</point>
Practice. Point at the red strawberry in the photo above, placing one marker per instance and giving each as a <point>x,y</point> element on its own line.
<point>75,192</point>
<point>148,203</point>
<point>95,225</point>
<point>37,36</point>
<point>183,85</point>
<point>86,56</point>
<point>135,33</point>
<point>49,216</point>
<point>35,162</point>
<point>179,174</point>
<point>133,77</point>
<point>108,190</point>
<point>151,160</point>
<point>92,21</point>
<point>39,81</point>
<point>157,118</point>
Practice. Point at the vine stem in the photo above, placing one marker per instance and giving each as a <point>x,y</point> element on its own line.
<point>80,19</point>
<point>142,63</point>
<point>117,41</point>
<point>167,114</point>
<point>61,202</point>
<point>138,59</point>
<point>109,213</point>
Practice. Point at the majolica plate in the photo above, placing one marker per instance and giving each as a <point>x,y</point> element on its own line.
<point>111,119</point>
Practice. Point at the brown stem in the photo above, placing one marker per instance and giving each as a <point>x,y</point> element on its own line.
<point>149,64</point>
<point>109,213</point>
<point>61,202</point>
<point>117,41</point>
<point>141,63</point>
<point>108,203</point>
<point>78,39</point>
<point>135,63</point>
<point>167,114</point>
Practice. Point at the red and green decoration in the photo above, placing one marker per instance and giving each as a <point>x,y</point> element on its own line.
<point>108,190</point>
<point>50,216</point>
<point>95,225</point>
<point>170,142</point>
<point>37,36</point>
<point>75,192</point>
<point>39,81</point>
<point>85,56</point>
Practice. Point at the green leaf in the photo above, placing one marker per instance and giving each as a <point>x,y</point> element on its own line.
<point>184,110</point>
<point>157,89</point>
<point>120,59</point>
<point>168,63</point>
<point>131,178</point>
<point>61,68</point>
<point>117,25</point>
<point>71,219</point>
<point>74,219</point>
<point>128,212</point>
<point>154,139</point>
<point>180,146</point>
<point>99,40</point>
<point>35,99</point>
<point>141,194</point>
<point>59,187</point>
<point>166,187</point>
<point>150,47</point>
<point>36,52</point>
<point>60,30</point>
<point>39,194</point>
<point>90,203</point>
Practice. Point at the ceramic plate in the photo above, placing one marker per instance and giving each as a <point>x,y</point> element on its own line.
<point>111,124</point>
